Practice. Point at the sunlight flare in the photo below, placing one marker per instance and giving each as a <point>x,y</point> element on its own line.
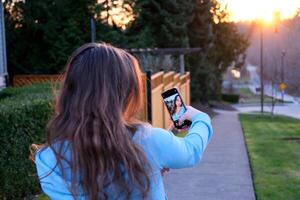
<point>266,10</point>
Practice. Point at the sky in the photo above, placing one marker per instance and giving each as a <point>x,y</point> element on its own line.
<point>248,10</point>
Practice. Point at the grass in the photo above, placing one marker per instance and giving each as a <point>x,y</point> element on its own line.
<point>42,197</point>
<point>274,150</point>
<point>249,97</point>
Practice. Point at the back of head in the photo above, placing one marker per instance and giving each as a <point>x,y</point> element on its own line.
<point>96,112</point>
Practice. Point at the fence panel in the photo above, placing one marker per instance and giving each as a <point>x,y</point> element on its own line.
<point>23,80</point>
<point>157,103</point>
<point>188,89</point>
<point>143,115</point>
<point>159,82</point>
<point>168,84</point>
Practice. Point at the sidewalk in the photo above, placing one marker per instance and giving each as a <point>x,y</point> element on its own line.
<point>291,110</point>
<point>223,173</point>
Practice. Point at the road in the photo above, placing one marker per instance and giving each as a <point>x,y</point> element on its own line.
<point>268,89</point>
<point>291,109</point>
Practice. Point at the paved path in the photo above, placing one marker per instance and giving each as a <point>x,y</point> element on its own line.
<point>223,173</point>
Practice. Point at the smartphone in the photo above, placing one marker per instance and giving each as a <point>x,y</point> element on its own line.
<point>176,107</point>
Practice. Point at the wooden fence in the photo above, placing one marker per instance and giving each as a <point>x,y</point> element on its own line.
<point>23,80</point>
<point>161,82</point>
<point>154,109</point>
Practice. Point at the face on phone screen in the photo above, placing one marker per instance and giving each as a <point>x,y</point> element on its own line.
<point>175,106</point>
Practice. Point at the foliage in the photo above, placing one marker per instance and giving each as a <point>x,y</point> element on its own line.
<point>52,29</point>
<point>222,46</point>
<point>232,98</point>
<point>44,34</point>
<point>167,20</point>
<point>24,114</point>
<point>273,146</point>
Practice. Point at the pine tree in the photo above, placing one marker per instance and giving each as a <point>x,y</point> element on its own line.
<point>222,45</point>
<point>167,21</point>
<point>201,35</point>
<point>44,34</point>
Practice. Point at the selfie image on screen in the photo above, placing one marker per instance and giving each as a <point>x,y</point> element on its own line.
<point>175,106</point>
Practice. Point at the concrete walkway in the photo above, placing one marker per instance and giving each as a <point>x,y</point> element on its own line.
<point>291,110</point>
<point>223,173</point>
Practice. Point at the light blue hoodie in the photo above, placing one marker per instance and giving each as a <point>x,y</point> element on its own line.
<point>162,148</point>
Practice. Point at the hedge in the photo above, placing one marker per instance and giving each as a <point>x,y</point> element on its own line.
<point>24,113</point>
<point>232,98</point>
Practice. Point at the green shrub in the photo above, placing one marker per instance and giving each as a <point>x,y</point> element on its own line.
<point>5,94</point>
<point>24,113</point>
<point>232,98</point>
<point>37,91</point>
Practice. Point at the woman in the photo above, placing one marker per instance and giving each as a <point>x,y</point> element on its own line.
<point>178,109</point>
<point>96,148</point>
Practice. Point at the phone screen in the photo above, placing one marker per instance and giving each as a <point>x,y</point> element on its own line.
<point>174,104</point>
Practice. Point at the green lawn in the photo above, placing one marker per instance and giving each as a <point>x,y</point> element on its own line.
<point>249,97</point>
<point>274,149</point>
<point>42,197</point>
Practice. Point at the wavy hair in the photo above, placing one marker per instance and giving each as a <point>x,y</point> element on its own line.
<point>96,112</point>
<point>174,107</point>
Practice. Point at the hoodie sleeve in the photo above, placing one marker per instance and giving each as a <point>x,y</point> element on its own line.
<point>175,152</point>
<point>52,183</point>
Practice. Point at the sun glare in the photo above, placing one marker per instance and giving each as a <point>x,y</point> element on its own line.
<point>249,10</point>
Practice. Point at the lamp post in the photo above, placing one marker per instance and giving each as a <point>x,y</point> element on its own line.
<point>261,68</point>
<point>3,61</point>
<point>283,53</point>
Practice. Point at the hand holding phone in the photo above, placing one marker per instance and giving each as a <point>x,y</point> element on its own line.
<point>189,114</point>
<point>176,107</point>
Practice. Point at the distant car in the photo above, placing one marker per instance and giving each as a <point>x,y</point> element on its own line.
<point>257,89</point>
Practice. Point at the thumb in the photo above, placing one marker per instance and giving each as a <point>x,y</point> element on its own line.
<point>182,118</point>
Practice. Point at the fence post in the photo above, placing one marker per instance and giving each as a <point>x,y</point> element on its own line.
<point>149,95</point>
<point>93,29</point>
<point>182,67</point>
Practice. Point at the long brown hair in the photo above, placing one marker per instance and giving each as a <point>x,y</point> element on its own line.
<point>96,112</point>
<point>174,107</point>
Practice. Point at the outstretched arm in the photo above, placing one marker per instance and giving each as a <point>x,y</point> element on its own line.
<point>175,152</point>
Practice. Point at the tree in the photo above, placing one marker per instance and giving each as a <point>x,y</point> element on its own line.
<point>42,34</point>
<point>166,20</point>
<point>200,35</point>
<point>222,46</point>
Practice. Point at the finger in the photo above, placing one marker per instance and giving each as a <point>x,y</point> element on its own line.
<point>182,118</point>
<point>183,129</point>
<point>171,127</point>
<point>164,170</point>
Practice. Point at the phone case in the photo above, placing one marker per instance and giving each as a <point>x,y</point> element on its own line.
<point>170,93</point>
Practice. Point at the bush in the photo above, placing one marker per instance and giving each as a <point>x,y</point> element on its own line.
<point>37,91</point>
<point>232,98</point>
<point>24,113</point>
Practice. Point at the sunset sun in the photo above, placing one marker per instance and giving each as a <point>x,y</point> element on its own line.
<point>242,10</point>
